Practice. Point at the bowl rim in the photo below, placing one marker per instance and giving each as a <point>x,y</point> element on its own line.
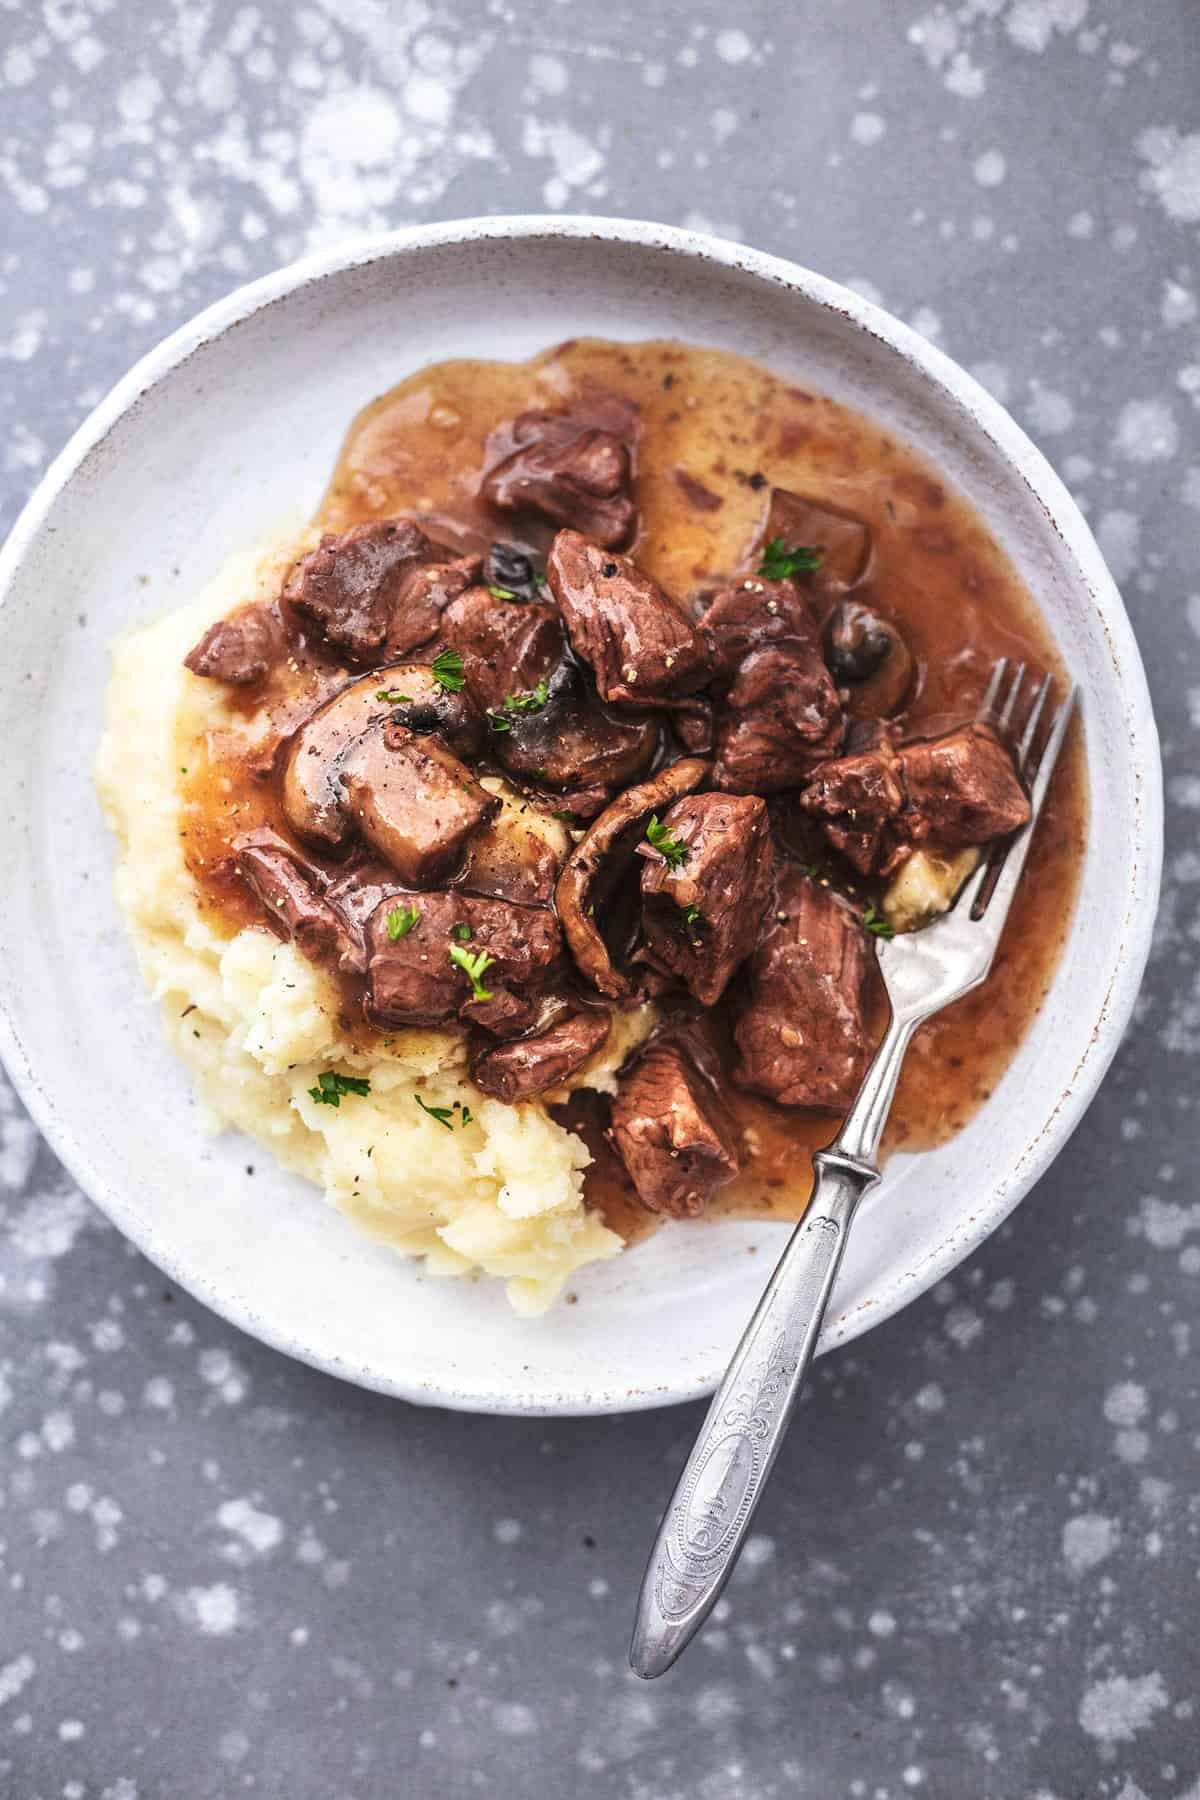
<point>986,416</point>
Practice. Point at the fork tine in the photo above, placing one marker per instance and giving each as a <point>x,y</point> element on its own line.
<point>988,703</point>
<point>1006,715</point>
<point>1032,722</point>
<point>996,902</point>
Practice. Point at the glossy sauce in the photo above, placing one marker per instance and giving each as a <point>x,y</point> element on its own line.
<point>716,432</point>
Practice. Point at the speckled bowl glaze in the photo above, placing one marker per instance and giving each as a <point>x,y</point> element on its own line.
<point>232,423</point>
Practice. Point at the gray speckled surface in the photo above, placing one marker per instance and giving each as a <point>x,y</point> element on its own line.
<point>976,1573</point>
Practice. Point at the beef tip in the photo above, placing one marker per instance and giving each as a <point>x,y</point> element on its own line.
<point>856,798</point>
<point>675,1136</point>
<point>313,800</point>
<point>412,979</point>
<point>950,791</point>
<point>963,787</point>
<point>357,587</point>
<point>506,649</point>
<point>569,473</point>
<point>288,888</point>
<point>414,802</point>
<point>602,858</point>
<point>643,649</point>
<point>530,1065</point>
<point>239,649</point>
<point>702,917</point>
<point>801,1034</point>
<point>750,613</point>
<point>794,522</point>
<point>779,720</point>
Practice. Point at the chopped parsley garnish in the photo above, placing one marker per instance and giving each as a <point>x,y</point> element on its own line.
<point>541,581</point>
<point>462,933</point>
<point>400,921</point>
<point>781,564</point>
<point>474,965</point>
<point>447,671</point>
<point>500,593</point>
<point>331,1086</point>
<point>441,1113</point>
<point>658,836</point>
<point>877,925</point>
<point>445,1114</point>
<point>566,818</point>
<point>532,700</point>
<point>393,697</point>
<point>691,914</point>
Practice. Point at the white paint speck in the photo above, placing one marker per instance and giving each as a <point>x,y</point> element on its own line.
<point>732,45</point>
<point>212,1611</point>
<point>1146,431</point>
<point>1115,1710</point>
<point>867,128</point>
<point>1087,1540</point>
<point>259,1531</point>
<point>14,1676</point>
<point>1174,172</point>
<point>990,168</point>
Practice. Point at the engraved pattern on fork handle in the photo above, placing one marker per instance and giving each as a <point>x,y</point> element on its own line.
<point>710,1512</point>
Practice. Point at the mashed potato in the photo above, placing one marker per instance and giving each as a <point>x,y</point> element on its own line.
<point>503,1194</point>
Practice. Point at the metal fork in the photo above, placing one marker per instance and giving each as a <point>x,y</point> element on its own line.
<point>705,1525</point>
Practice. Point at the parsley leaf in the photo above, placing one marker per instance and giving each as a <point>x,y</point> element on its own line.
<point>566,818</point>
<point>876,924</point>
<point>331,1086</point>
<point>501,593</point>
<point>393,697</point>
<point>440,1113</point>
<point>532,700</point>
<point>462,933</point>
<point>691,914</point>
<point>474,966</point>
<point>447,671</point>
<point>658,836</point>
<point>466,1115</point>
<point>497,721</point>
<point>781,564</point>
<point>400,921</point>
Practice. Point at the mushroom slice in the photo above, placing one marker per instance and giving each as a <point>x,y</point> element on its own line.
<point>517,855</point>
<point>313,801</point>
<point>602,856</point>
<point>414,802</point>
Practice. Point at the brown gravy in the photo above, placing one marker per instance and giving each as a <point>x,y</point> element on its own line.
<point>716,432</point>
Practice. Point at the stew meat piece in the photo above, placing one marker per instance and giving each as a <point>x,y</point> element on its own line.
<point>568,472</point>
<point>413,980</point>
<point>288,888</point>
<point>702,918</point>
<point>802,1033</point>
<point>780,718</point>
<point>644,650</point>
<point>951,791</point>
<point>370,589</point>
<point>506,646</point>
<point>672,1132</point>
<point>753,612</point>
<point>414,802</point>
<point>239,649</point>
<point>530,1065</point>
<point>844,541</point>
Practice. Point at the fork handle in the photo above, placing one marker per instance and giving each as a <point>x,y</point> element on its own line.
<point>705,1525</point>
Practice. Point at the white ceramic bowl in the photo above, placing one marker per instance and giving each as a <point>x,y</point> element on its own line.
<point>231,423</point>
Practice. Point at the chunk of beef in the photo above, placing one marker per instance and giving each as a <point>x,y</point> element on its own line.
<point>366,591</point>
<point>798,522</point>
<point>702,918</point>
<point>963,788</point>
<point>506,648</point>
<point>674,1135</point>
<point>949,791</point>
<point>642,647</point>
<point>530,1065</point>
<point>313,799</point>
<point>802,1032</point>
<point>750,613</point>
<point>569,473</point>
<point>602,858</point>
<point>412,980</point>
<point>414,802</point>
<point>856,797</point>
<point>779,719</point>
<point>239,649</point>
<point>288,887</point>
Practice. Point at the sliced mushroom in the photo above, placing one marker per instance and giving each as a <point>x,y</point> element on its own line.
<point>572,742</point>
<point>414,802</point>
<point>517,855</point>
<point>602,856</point>
<point>868,659</point>
<point>313,801</point>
